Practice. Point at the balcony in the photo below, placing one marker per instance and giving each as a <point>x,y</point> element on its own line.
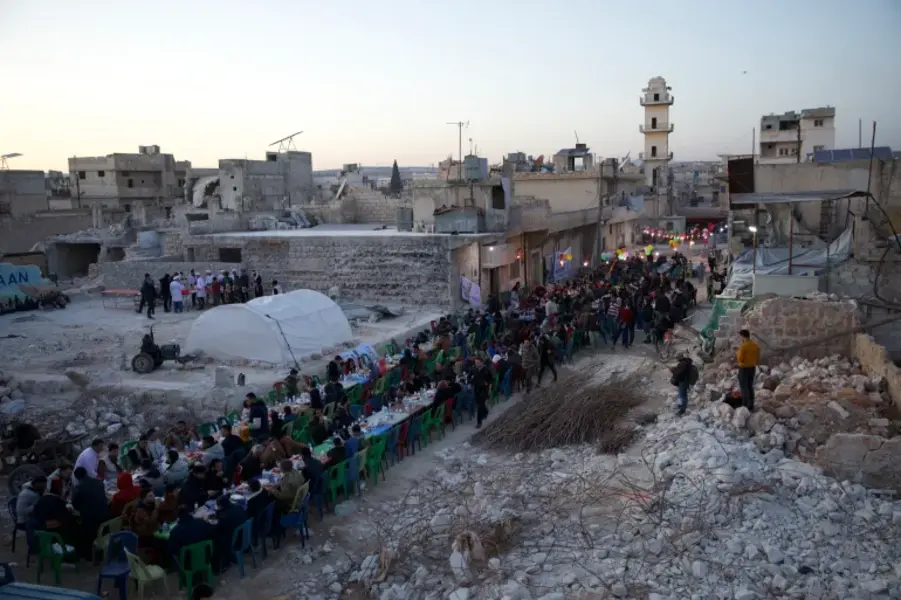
<point>641,155</point>
<point>659,128</point>
<point>667,100</point>
<point>778,135</point>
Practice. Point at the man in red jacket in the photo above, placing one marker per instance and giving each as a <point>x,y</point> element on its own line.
<point>627,324</point>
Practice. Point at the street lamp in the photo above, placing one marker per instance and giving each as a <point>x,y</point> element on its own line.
<point>753,229</point>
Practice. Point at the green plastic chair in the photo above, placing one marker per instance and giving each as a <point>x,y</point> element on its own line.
<point>300,435</point>
<point>101,542</point>
<point>46,541</point>
<point>200,558</point>
<point>315,380</point>
<point>301,421</point>
<point>288,428</point>
<point>206,429</point>
<point>379,388</point>
<point>142,574</point>
<point>233,417</point>
<point>434,420</point>
<point>123,455</point>
<point>374,456</point>
<point>337,475</point>
<point>272,397</point>
<point>329,409</point>
<point>355,394</point>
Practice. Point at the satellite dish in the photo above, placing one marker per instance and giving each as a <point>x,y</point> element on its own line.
<point>11,155</point>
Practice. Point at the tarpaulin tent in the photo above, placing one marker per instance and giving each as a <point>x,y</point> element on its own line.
<point>272,329</point>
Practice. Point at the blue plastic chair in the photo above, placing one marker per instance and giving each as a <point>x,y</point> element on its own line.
<point>17,527</point>
<point>298,520</point>
<point>116,566</point>
<point>245,533</point>
<point>414,434</point>
<point>507,383</point>
<point>356,411</point>
<point>352,475</point>
<point>262,528</point>
<point>469,401</point>
<point>374,404</point>
<point>391,441</point>
<point>351,446</point>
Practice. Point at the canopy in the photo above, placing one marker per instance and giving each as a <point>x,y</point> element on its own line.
<point>273,329</point>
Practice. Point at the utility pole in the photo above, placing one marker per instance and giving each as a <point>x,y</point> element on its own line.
<point>753,143</point>
<point>459,125</point>
<point>799,143</point>
<point>860,133</point>
<point>77,185</point>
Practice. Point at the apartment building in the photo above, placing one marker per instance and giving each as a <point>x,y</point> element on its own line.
<point>793,136</point>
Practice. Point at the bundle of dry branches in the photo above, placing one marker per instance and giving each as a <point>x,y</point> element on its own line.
<point>574,410</point>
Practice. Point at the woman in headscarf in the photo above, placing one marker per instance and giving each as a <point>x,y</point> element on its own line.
<point>128,493</point>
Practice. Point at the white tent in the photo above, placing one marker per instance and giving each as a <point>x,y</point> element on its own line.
<point>272,329</point>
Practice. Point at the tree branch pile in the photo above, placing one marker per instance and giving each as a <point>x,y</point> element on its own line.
<point>575,410</point>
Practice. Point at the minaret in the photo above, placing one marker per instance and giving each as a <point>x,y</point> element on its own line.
<point>656,129</point>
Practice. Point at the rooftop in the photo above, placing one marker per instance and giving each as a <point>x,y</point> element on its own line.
<point>339,230</point>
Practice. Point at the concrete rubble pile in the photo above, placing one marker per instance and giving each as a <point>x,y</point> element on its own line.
<point>699,513</point>
<point>825,410</point>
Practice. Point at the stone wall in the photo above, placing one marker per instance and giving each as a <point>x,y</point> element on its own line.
<point>782,322</point>
<point>373,207</point>
<point>20,235</point>
<point>856,279</point>
<point>876,362</point>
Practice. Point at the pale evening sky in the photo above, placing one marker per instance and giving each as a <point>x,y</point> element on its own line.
<point>371,82</point>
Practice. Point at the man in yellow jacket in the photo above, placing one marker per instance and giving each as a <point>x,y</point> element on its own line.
<point>747,357</point>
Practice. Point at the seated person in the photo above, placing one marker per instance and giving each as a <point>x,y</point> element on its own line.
<point>176,471</point>
<point>341,420</point>
<point>140,453</point>
<point>334,368</point>
<point>52,514</point>
<point>188,530</point>
<point>194,491</point>
<point>144,521</point>
<point>338,452</point>
<point>128,493</point>
<point>181,436</point>
<point>275,424</point>
<point>287,415</point>
<point>229,516</point>
<point>287,488</point>
<point>350,367</point>
<point>292,388</point>
<point>216,480</point>
<point>317,430</point>
<point>259,498</point>
<point>252,465</point>
<point>168,508</point>
<point>316,402</point>
<point>28,498</point>
<point>313,468</point>
<point>356,432</point>
<point>229,441</point>
<point>334,392</point>
<point>152,476</point>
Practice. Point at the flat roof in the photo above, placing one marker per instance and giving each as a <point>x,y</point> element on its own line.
<point>343,230</point>
<point>792,197</point>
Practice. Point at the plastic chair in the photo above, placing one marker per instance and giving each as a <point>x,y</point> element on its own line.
<point>244,533</point>
<point>17,527</point>
<point>233,417</point>
<point>46,541</point>
<point>352,476</point>
<point>262,528</point>
<point>205,429</point>
<point>413,435</point>
<point>314,380</point>
<point>193,560</point>
<point>336,481</point>
<point>288,428</point>
<point>329,409</point>
<point>298,519</point>
<point>361,470</point>
<point>300,435</point>
<point>107,529</point>
<point>402,437</point>
<point>271,397</point>
<point>142,573</point>
<point>221,422</point>
<point>433,420</point>
<point>391,442</point>
<point>374,457</point>
<point>117,566</point>
<point>356,411</point>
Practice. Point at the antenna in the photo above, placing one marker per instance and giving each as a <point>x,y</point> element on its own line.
<point>4,165</point>
<point>286,144</point>
<point>460,125</point>
<point>576,133</point>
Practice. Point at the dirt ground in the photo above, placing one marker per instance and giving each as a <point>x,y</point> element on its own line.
<point>343,538</point>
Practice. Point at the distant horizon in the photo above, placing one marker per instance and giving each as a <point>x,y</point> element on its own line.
<point>212,80</point>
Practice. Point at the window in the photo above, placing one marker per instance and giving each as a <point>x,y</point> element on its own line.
<point>101,173</point>
<point>610,230</point>
<point>794,151</point>
<point>653,150</point>
<point>127,207</point>
<point>653,122</point>
<point>818,122</point>
<point>656,97</point>
<point>818,148</point>
<point>514,270</point>
<point>769,126</point>
<point>181,183</point>
<point>234,188</point>
<point>669,225</point>
<point>81,175</point>
<point>498,199</point>
<point>230,255</point>
<point>130,183</point>
<point>168,212</point>
<point>125,173</point>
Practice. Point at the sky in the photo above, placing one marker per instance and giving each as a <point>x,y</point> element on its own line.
<point>371,82</point>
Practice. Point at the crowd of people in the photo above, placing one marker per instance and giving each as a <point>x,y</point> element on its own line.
<point>203,289</point>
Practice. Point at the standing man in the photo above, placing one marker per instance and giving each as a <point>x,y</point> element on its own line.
<point>192,281</point>
<point>747,357</point>
<point>148,296</point>
<point>546,357</point>
<point>165,280</point>
<point>175,291</point>
<point>481,383</point>
<point>685,375</point>
<point>200,290</point>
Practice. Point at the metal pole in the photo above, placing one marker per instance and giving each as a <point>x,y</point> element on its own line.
<point>860,133</point>
<point>791,238</point>
<point>870,168</point>
<point>754,266</point>
<point>753,144</point>
<point>799,143</point>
